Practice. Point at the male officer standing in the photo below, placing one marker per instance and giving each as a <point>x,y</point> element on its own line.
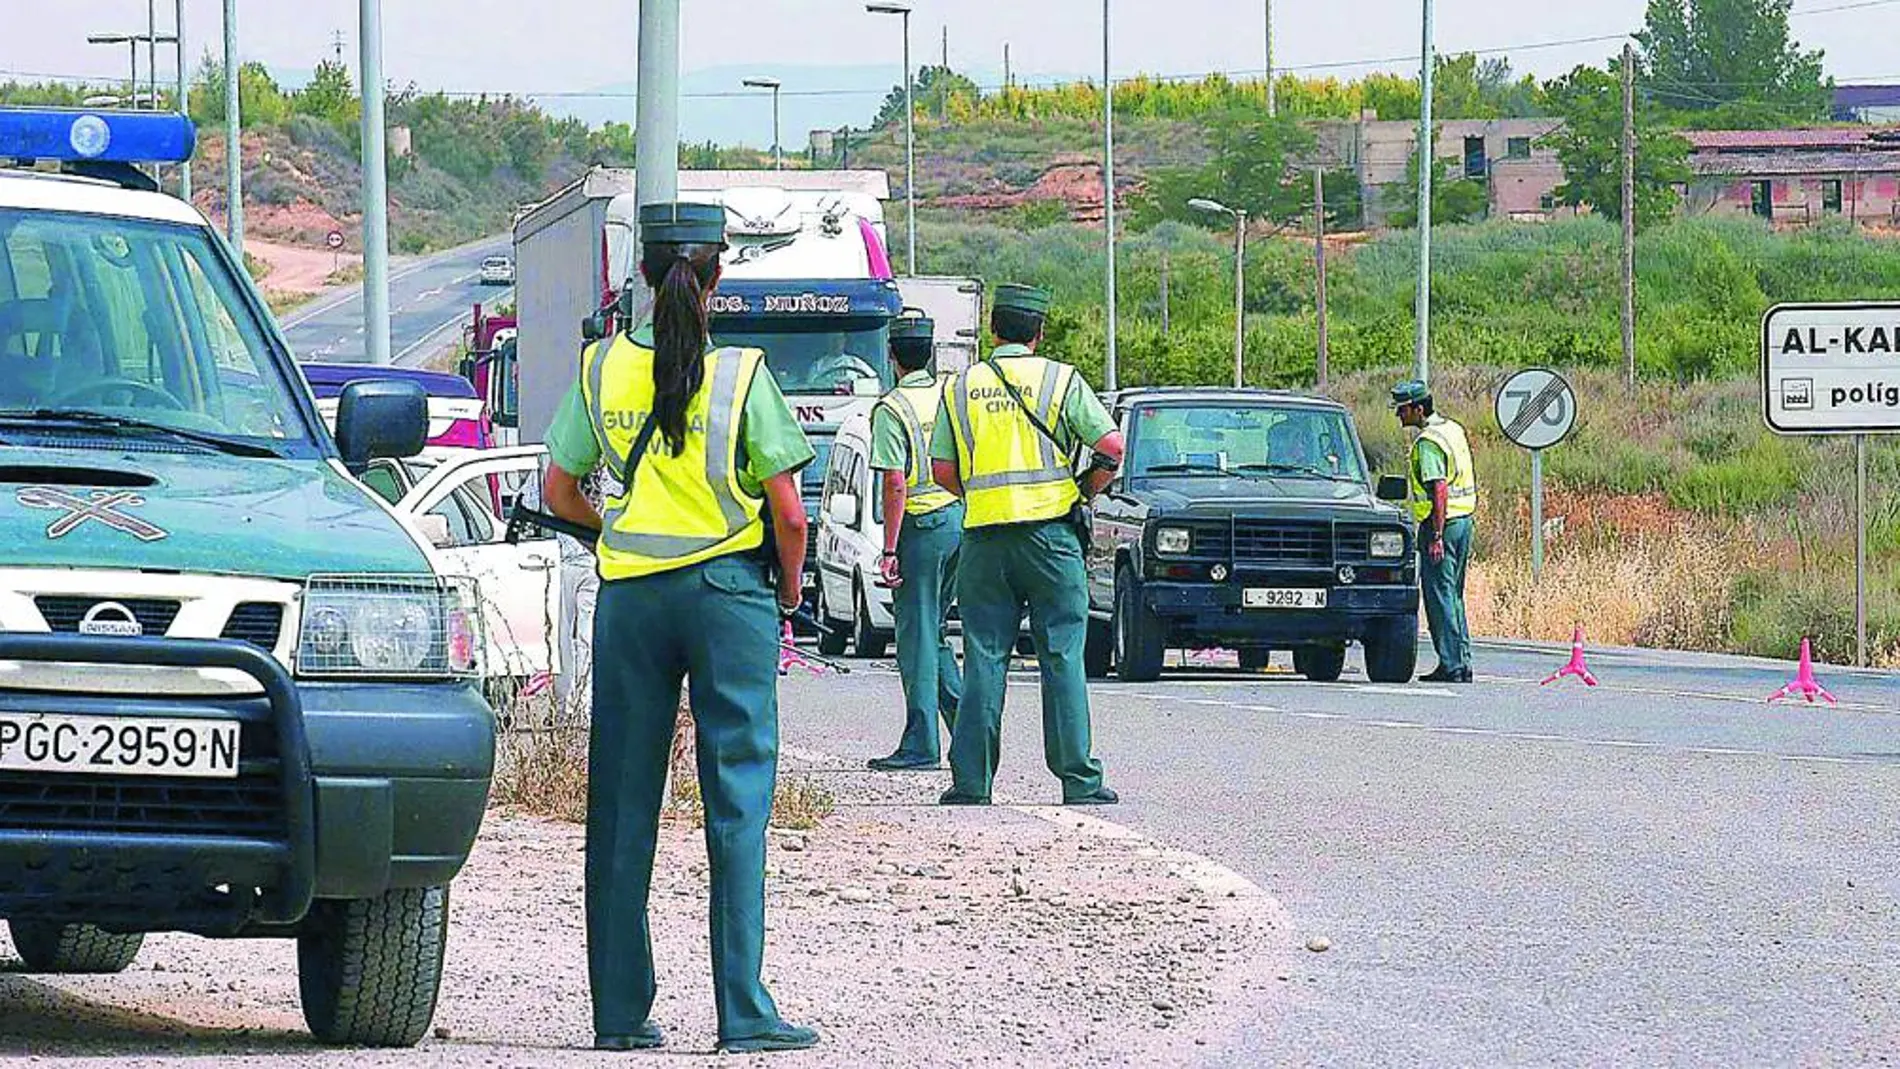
<point>1003,443</point>
<point>920,552</point>
<point>1443,495</point>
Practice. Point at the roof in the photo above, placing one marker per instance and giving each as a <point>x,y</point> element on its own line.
<point>1797,163</point>
<point>328,380</point>
<point>1835,137</point>
<point>41,191</point>
<point>1847,98</point>
<point>1219,394</point>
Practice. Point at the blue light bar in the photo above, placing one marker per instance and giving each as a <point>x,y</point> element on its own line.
<point>70,135</point>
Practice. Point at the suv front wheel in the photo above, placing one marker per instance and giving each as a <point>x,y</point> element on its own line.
<point>370,968</point>
<point>51,947</point>
<point>1392,650</point>
<point>1139,640</point>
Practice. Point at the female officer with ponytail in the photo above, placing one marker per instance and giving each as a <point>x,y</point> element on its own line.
<point>701,453</point>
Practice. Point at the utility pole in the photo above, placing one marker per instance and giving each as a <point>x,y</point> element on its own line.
<point>1007,83</point>
<point>943,82</point>
<point>184,97</point>
<point>375,174</point>
<point>151,50</point>
<point>1240,297</point>
<point>1319,263</point>
<point>1108,191</point>
<point>1427,162</point>
<point>656,126</point>
<point>1629,217</point>
<point>233,134</point>
<point>1271,110</point>
<point>1166,297</point>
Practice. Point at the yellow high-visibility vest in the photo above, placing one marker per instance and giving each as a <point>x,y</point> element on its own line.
<point>1461,484</point>
<point>1011,472</point>
<point>680,510</point>
<point>916,410</point>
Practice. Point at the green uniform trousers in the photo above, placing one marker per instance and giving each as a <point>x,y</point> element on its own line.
<point>1443,587</point>
<point>927,551</point>
<point>716,625</point>
<point>1006,569</point>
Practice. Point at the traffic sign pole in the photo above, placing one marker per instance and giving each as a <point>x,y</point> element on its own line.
<point>1537,515</point>
<point>1860,551</point>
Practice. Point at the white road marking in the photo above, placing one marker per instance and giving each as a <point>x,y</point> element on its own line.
<point>1208,876</point>
<point>1345,686</point>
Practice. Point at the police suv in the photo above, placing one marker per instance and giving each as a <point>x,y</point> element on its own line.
<point>234,700</point>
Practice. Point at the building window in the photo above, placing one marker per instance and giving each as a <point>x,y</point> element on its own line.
<point>1762,198</point>
<point>1517,148</point>
<point>1831,196</point>
<point>1474,157</point>
<point>1547,202</point>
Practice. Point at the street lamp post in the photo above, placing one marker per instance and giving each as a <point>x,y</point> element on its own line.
<point>778,149</point>
<point>233,139</point>
<point>1239,215</point>
<point>1427,161</point>
<point>1110,364</point>
<point>375,175</point>
<point>134,40</point>
<point>910,132</point>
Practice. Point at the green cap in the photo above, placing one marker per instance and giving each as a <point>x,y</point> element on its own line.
<point>1410,393</point>
<point>913,328</point>
<point>681,223</point>
<point>1031,299</point>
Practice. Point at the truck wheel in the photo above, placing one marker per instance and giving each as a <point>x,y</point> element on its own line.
<point>1392,650</point>
<point>831,642</point>
<point>1139,642</point>
<point>1255,660</point>
<point>867,642</point>
<point>1098,649</point>
<point>49,947</point>
<point>1321,664</point>
<point>370,968</point>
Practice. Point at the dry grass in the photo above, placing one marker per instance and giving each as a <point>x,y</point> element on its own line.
<point>346,275</point>
<point>281,301</point>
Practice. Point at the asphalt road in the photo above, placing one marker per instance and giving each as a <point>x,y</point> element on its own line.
<point>1663,870</point>
<point>429,299</point>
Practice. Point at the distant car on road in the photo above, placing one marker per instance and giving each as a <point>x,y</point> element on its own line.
<point>498,271</point>
<point>1246,519</point>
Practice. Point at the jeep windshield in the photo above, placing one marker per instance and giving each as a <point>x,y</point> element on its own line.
<point>823,356</point>
<point>129,328</point>
<point>1247,441</point>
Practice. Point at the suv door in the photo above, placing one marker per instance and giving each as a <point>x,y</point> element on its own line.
<point>518,584</point>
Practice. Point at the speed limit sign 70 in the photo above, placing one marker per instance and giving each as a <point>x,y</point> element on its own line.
<point>1536,408</point>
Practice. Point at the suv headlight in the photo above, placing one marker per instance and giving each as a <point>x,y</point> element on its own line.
<point>417,627</point>
<point>1388,544</point>
<point>1173,540</point>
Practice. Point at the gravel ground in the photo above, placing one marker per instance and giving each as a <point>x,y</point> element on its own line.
<point>908,935</point>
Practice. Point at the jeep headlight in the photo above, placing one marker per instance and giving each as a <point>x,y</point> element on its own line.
<point>1173,540</point>
<point>1388,544</point>
<point>419,627</point>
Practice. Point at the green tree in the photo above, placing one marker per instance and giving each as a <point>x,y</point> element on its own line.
<point>1590,146</point>
<point>935,90</point>
<point>1455,199</point>
<point>1255,164</point>
<point>1465,87</point>
<point>1732,56</point>
<point>330,96</point>
<point>260,102</point>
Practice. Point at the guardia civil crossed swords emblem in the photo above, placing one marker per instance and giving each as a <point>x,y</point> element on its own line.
<point>100,506</point>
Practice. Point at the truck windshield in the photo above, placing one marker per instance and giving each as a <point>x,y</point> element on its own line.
<point>137,325</point>
<point>825,357</point>
<point>1279,441</point>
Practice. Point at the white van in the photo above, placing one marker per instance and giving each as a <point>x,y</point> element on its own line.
<point>852,603</point>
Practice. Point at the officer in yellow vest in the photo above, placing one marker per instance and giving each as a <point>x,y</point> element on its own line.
<point>920,550</point>
<point>1005,442</point>
<point>1444,495</point>
<point>699,448</point>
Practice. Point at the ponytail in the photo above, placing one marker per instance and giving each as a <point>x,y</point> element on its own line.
<point>680,275</point>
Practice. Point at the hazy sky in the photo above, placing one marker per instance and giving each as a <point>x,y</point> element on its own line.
<point>545,46</point>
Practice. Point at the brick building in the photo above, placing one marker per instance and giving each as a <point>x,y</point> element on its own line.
<point>1796,176</point>
<point>1520,173</point>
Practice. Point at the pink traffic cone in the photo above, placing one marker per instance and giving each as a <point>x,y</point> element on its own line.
<point>1576,667</point>
<point>1804,684</point>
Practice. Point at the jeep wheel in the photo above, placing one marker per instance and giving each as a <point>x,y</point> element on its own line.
<point>1392,650</point>
<point>49,947</point>
<point>832,640</point>
<point>1139,642</point>
<point>1098,649</point>
<point>370,968</point>
<point>866,641</point>
<point>1255,660</point>
<point>1321,664</point>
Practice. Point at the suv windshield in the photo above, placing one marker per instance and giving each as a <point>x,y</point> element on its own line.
<point>137,321</point>
<point>1282,441</point>
<point>828,357</point>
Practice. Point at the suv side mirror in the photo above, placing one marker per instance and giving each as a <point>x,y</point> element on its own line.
<point>380,418</point>
<point>502,380</point>
<point>844,510</point>
<point>1392,488</point>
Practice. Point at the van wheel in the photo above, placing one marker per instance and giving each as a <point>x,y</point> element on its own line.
<point>1139,641</point>
<point>49,947</point>
<point>1321,664</point>
<point>832,640</point>
<point>866,641</point>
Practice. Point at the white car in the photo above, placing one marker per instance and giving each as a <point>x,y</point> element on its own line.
<point>850,535</point>
<point>498,271</point>
<point>456,501</point>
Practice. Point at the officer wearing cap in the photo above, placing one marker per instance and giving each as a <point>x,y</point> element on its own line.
<point>1005,443</point>
<point>920,551</point>
<point>701,452</point>
<point>1443,493</point>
